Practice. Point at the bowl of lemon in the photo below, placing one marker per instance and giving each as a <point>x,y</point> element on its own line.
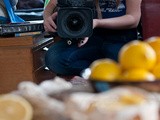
<point>138,65</point>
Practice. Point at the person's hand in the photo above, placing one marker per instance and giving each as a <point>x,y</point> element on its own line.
<point>83,41</point>
<point>49,24</point>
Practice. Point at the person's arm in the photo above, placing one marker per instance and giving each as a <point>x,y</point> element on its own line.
<point>49,16</point>
<point>130,20</point>
<point>49,9</point>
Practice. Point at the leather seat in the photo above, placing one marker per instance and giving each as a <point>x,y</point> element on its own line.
<point>150,17</point>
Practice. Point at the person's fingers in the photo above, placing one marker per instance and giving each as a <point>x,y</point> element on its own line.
<point>83,42</point>
<point>49,28</point>
<point>49,24</point>
<point>52,25</point>
<point>54,15</point>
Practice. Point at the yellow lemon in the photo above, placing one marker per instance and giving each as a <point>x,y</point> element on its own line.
<point>156,71</point>
<point>136,75</point>
<point>14,107</point>
<point>105,69</point>
<point>154,42</point>
<point>137,54</point>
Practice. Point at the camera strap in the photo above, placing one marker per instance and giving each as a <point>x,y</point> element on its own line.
<point>99,14</point>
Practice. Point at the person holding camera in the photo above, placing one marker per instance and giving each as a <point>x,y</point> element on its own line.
<point>114,24</point>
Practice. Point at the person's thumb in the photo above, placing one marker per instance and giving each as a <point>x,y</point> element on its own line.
<point>54,15</point>
<point>83,42</point>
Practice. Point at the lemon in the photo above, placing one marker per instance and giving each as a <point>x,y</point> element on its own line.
<point>104,69</point>
<point>136,75</point>
<point>137,54</point>
<point>14,107</point>
<point>156,71</point>
<point>154,42</point>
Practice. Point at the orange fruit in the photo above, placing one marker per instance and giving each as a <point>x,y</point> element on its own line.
<point>104,69</point>
<point>156,71</point>
<point>136,75</point>
<point>14,107</point>
<point>154,42</point>
<point>137,54</point>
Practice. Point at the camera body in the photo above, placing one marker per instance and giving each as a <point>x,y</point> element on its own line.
<point>75,18</point>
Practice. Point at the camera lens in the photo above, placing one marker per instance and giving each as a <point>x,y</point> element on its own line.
<point>74,22</point>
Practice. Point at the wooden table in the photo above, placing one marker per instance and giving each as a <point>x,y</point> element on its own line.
<point>22,59</point>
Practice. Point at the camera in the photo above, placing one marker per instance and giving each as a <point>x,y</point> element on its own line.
<point>75,18</point>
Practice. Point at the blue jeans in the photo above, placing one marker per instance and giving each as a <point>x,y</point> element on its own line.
<point>65,59</point>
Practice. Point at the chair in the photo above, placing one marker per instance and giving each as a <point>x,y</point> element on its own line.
<point>13,17</point>
<point>150,18</point>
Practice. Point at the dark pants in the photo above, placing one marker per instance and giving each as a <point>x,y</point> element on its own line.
<point>65,59</point>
